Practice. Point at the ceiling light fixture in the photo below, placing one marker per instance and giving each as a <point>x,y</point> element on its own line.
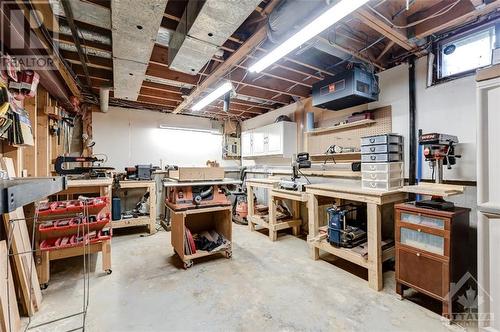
<point>220,91</point>
<point>318,25</point>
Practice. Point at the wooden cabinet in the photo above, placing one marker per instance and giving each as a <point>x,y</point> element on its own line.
<point>277,139</point>
<point>431,251</point>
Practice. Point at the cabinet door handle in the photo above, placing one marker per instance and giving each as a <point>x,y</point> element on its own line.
<point>418,254</point>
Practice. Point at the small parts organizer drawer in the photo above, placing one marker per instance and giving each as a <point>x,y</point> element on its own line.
<point>382,139</point>
<point>382,148</point>
<point>423,271</point>
<point>383,167</point>
<point>381,157</point>
<point>382,185</point>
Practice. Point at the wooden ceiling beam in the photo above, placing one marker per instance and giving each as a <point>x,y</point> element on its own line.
<point>92,61</point>
<point>160,56</point>
<point>54,55</point>
<point>463,12</point>
<point>386,49</point>
<point>374,22</point>
<point>222,70</point>
<point>162,71</point>
<point>285,59</point>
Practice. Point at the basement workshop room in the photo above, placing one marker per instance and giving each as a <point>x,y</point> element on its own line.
<point>250,165</point>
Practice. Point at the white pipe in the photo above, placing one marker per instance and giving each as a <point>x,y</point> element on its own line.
<point>104,98</point>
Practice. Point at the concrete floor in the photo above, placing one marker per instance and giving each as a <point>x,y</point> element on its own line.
<point>266,286</point>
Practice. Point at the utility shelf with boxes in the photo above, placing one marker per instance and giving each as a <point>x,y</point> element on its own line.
<point>382,165</point>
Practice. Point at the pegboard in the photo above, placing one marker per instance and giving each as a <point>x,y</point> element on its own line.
<point>348,137</point>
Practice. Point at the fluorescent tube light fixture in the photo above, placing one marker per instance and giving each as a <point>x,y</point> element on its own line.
<point>197,130</point>
<point>220,91</point>
<point>318,25</point>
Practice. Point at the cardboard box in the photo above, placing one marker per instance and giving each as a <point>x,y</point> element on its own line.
<point>197,173</point>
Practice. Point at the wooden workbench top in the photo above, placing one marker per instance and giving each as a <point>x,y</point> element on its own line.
<point>263,181</point>
<point>350,189</point>
<point>90,182</point>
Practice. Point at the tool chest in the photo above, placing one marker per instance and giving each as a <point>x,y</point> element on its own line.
<point>431,250</point>
<point>382,162</point>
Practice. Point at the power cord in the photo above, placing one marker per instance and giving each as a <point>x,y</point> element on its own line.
<point>305,177</point>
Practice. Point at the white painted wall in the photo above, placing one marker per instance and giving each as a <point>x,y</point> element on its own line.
<point>448,108</point>
<point>130,137</point>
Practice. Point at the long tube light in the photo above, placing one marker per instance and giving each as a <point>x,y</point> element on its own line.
<point>220,91</point>
<point>318,25</point>
<point>198,130</point>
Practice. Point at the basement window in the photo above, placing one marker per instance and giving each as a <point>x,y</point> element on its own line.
<point>462,54</point>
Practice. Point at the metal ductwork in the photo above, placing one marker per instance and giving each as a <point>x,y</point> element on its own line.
<point>104,98</point>
<point>291,15</point>
<point>203,28</point>
<point>135,25</point>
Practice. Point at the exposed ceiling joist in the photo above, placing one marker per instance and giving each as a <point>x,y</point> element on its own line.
<point>463,12</point>
<point>69,15</point>
<point>374,22</point>
<point>52,51</point>
<point>386,49</point>
<point>235,58</point>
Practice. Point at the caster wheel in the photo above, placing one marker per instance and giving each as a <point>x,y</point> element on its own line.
<point>44,286</point>
<point>188,264</point>
<point>109,271</point>
<point>228,254</point>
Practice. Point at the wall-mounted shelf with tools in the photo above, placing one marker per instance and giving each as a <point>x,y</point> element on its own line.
<point>343,157</point>
<point>359,123</point>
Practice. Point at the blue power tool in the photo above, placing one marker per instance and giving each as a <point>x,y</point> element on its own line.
<point>339,233</point>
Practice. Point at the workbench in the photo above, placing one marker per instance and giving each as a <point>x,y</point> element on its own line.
<point>375,202</point>
<point>296,197</point>
<point>148,220</point>
<point>252,218</point>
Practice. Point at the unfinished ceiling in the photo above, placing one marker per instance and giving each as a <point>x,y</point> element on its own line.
<point>173,65</point>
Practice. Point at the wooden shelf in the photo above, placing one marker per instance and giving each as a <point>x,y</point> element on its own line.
<point>131,222</point>
<point>339,157</point>
<point>360,123</point>
<point>434,189</point>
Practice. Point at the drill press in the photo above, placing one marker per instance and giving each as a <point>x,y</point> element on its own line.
<point>439,150</point>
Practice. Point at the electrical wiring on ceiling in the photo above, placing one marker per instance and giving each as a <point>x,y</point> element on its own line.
<point>440,12</point>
